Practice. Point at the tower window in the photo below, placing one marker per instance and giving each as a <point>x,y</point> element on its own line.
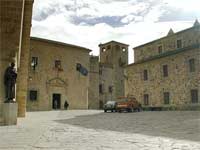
<point>194,96</point>
<point>192,65</point>
<point>101,88</point>
<point>117,47</point>
<point>103,49</point>
<point>108,47</point>
<point>124,49</point>
<point>110,89</point>
<point>179,43</point>
<point>165,70</point>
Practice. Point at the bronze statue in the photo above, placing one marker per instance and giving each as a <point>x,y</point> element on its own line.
<point>10,77</point>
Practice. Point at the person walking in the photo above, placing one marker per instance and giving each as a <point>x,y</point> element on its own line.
<point>66,105</point>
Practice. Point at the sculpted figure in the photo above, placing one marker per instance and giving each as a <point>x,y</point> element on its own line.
<point>10,77</point>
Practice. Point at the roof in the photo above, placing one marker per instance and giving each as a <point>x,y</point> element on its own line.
<point>113,42</point>
<point>166,54</point>
<point>59,43</point>
<point>151,42</point>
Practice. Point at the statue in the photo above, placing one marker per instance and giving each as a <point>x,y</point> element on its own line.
<point>10,77</point>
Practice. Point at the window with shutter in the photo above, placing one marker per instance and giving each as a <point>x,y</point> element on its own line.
<point>33,95</point>
<point>166,97</point>
<point>165,71</point>
<point>146,99</point>
<point>192,65</point>
<point>194,96</point>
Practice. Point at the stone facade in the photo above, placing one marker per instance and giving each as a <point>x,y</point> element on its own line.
<point>15,18</point>
<point>166,71</point>
<point>93,96</point>
<point>53,75</point>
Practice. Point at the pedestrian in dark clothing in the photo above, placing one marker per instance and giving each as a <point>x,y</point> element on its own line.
<point>66,105</point>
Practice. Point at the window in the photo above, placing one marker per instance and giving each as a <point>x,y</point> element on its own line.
<point>107,59</point>
<point>194,96</point>
<point>34,62</point>
<point>145,75</point>
<point>179,43</point>
<point>123,49</point>
<point>192,65</point>
<point>166,97</point>
<point>108,47</point>
<point>78,66</point>
<point>103,49</point>
<point>110,89</point>
<point>160,49</point>
<point>57,64</point>
<point>146,99</point>
<point>101,88</point>
<point>165,70</point>
<point>117,47</point>
<point>33,95</point>
<point>100,72</point>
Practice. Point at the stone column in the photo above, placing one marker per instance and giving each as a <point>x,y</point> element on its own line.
<point>10,27</point>
<point>22,81</point>
<point>10,18</point>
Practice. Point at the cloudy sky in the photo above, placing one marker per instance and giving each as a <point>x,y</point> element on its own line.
<point>91,22</point>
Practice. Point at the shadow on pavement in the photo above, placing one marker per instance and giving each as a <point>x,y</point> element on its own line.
<point>183,125</point>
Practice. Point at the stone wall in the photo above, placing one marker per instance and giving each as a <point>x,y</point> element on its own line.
<point>179,83</point>
<point>93,96</point>
<point>169,43</point>
<point>67,81</point>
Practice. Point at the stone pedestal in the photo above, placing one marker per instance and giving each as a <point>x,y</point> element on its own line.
<point>9,114</point>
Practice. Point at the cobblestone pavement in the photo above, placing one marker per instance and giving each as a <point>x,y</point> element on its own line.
<point>95,130</point>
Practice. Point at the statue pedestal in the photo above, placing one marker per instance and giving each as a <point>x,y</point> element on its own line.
<point>9,114</point>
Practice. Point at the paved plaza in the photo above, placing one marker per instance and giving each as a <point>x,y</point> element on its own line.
<point>95,130</point>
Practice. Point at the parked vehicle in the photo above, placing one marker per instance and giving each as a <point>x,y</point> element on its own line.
<point>129,104</point>
<point>110,106</point>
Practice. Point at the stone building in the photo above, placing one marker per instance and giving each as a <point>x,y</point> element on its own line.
<point>15,24</point>
<point>108,73</point>
<point>57,72</point>
<point>166,71</point>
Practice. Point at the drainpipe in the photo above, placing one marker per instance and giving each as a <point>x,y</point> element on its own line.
<point>21,34</point>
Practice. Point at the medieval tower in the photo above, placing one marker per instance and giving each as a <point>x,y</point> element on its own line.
<point>113,59</point>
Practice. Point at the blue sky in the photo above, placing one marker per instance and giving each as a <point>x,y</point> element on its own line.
<point>91,22</point>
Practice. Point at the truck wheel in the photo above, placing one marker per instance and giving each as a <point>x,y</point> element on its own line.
<point>105,110</point>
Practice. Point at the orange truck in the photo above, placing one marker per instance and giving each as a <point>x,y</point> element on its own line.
<point>129,104</point>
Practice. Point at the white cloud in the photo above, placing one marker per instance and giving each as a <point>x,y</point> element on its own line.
<point>139,23</point>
